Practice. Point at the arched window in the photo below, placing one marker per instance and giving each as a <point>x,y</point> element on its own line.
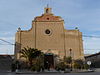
<point>47,10</point>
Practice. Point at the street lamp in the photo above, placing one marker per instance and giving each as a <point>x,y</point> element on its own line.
<point>71,59</point>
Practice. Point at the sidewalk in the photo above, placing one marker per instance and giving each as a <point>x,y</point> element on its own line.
<point>52,71</point>
<point>30,72</point>
<point>97,69</point>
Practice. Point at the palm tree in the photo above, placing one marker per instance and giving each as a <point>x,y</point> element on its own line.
<point>30,54</point>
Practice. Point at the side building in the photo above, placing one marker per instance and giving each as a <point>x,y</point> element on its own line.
<point>5,63</point>
<point>48,35</point>
<point>95,59</point>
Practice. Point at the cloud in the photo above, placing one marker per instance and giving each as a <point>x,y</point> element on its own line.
<point>6,33</point>
<point>6,49</point>
<point>7,40</point>
<point>84,14</point>
<point>91,45</point>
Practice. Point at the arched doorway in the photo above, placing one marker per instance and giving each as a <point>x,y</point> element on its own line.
<point>48,61</point>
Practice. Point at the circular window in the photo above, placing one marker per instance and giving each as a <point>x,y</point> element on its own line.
<point>47,31</point>
<point>47,18</point>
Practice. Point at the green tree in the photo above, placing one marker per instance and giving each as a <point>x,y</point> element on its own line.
<point>78,64</point>
<point>68,60</point>
<point>30,54</point>
<point>60,66</point>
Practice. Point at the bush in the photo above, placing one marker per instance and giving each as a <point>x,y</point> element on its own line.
<point>61,66</point>
<point>38,65</point>
<point>86,66</point>
<point>78,64</point>
<point>15,65</point>
<point>35,68</point>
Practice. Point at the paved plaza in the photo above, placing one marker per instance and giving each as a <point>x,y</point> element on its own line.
<point>89,73</point>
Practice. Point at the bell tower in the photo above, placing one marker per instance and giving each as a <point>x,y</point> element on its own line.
<point>47,10</point>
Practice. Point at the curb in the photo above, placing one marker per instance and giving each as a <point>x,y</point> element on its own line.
<point>35,72</point>
<point>52,72</point>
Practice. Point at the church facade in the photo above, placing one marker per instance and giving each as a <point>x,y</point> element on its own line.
<point>49,35</point>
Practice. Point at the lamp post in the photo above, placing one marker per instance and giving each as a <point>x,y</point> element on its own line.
<point>71,59</point>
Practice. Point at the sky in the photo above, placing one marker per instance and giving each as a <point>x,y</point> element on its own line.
<point>84,14</point>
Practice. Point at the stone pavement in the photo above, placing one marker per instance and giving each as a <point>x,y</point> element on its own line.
<point>53,71</point>
<point>46,72</point>
<point>90,73</point>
